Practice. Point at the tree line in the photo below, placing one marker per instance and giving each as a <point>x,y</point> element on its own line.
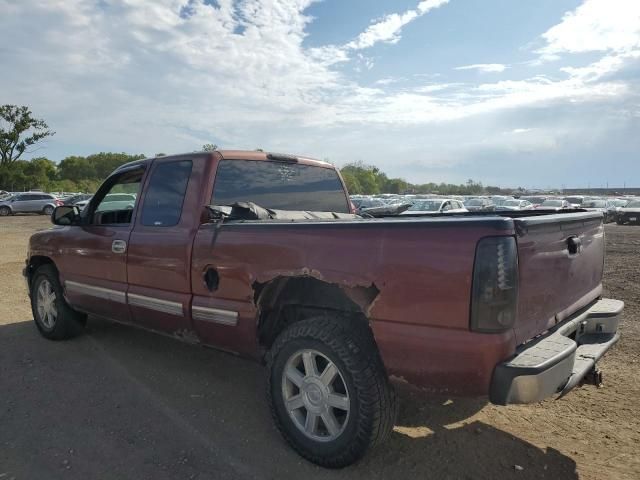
<point>370,180</point>
<point>72,174</point>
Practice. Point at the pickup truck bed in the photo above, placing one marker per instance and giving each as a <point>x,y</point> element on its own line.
<point>475,304</point>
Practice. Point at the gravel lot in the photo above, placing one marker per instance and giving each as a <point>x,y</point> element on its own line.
<point>123,403</point>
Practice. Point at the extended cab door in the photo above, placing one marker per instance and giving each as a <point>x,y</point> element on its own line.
<point>159,259</point>
<point>94,263</point>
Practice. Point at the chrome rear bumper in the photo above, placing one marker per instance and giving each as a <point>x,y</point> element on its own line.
<point>559,360</point>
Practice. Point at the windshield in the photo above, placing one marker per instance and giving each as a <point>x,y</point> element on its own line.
<point>635,204</point>
<point>552,203</point>
<point>426,206</point>
<point>575,200</point>
<point>595,204</point>
<point>474,202</point>
<point>512,203</point>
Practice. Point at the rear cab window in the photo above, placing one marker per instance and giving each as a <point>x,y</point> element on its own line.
<point>279,186</point>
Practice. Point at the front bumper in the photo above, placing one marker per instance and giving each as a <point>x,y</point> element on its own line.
<point>560,359</point>
<point>628,217</point>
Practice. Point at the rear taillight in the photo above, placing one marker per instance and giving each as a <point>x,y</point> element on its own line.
<point>59,203</point>
<point>494,294</point>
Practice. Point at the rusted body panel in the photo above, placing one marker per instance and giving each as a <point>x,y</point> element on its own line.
<point>422,271</point>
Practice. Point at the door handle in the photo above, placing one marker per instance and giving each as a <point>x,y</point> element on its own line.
<point>119,246</point>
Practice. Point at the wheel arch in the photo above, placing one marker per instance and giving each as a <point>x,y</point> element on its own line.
<point>285,300</point>
<point>35,262</point>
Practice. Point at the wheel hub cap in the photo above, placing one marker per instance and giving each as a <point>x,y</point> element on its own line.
<point>46,304</point>
<point>315,395</point>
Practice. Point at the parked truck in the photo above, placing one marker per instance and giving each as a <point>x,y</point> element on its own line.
<point>259,254</point>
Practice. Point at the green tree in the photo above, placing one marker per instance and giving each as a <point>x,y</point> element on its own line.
<point>19,130</point>
<point>75,168</point>
<point>352,183</point>
<point>209,147</point>
<point>104,163</point>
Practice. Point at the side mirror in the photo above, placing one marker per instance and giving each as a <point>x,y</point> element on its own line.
<point>66,215</point>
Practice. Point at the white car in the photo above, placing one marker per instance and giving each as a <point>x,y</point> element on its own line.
<point>515,205</point>
<point>555,204</point>
<point>435,205</point>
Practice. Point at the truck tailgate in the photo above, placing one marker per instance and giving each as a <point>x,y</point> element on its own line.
<point>561,259</point>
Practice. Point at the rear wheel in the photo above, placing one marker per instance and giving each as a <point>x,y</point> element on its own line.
<point>55,319</point>
<point>5,211</point>
<point>329,393</point>
<point>48,210</point>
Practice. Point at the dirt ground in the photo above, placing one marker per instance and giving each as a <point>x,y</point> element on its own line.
<point>122,403</point>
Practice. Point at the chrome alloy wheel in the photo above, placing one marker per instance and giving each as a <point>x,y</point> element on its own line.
<point>315,395</point>
<point>46,304</point>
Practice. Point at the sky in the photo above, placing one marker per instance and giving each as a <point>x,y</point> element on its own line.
<point>542,93</point>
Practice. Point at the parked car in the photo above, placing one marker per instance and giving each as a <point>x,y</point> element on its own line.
<point>554,204</point>
<point>629,213</point>
<point>576,201</point>
<point>435,205</point>
<point>536,200</point>
<point>74,199</point>
<point>619,203</point>
<point>499,200</point>
<point>607,208</point>
<point>479,205</point>
<point>29,202</point>
<point>515,205</point>
<point>222,252</point>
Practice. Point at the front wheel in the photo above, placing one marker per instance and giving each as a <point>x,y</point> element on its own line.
<point>5,211</point>
<point>48,210</point>
<point>55,319</point>
<point>329,393</point>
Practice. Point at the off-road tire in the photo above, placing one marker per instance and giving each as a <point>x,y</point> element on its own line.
<point>68,323</point>
<point>373,402</point>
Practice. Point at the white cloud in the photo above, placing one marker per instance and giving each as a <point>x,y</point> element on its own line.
<point>595,26</point>
<point>484,67</point>
<point>389,27</point>
<point>170,75</point>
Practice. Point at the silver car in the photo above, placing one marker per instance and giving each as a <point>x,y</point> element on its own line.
<point>29,202</point>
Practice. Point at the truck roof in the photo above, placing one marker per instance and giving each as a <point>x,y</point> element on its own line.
<point>240,155</point>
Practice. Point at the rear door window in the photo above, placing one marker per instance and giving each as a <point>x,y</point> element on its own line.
<point>165,194</point>
<point>279,186</point>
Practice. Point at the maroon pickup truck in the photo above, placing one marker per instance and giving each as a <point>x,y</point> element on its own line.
<point>260,255</point>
